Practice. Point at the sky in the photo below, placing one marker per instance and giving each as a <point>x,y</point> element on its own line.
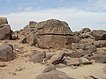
<point>77,13</point>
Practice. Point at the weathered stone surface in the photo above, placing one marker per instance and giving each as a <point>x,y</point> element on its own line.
<point>100,43</point>
<point>54,41</point>
<point>99,34</point>
<point>37,56</point>
<point>53,34</point>
<point>3,20</point>
<point>76,46</point>
<point>76,37</point>
<point>86,36</point>
<point>71,61</point>
<point>49,68</point>
<point>54,74</point>
<point>49,34</point>
<point>84,61</point>
<point>78,53</point>
<point>85,30</point>
<point>103,37</point>
<point>14,35</point>
<point>6,53</point>
<point>98,58</point>
<point>87,42</point>
<point>5,31</point>
<point>89,50</point>
<point>32,23</point>
<point>31,39</point>
<point>56,59</point>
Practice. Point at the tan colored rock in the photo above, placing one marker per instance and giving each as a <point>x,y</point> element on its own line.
<point>53,34</point>
<point>54,74</point>
<point>37,56</point>
<point>6,53</point>
<point>49,68</point>
<point>3,20</point>
<point>56,59</point>
<point>99,34</point>
<point>5,32</point>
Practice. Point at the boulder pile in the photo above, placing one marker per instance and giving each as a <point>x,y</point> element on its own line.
<point>48,34</point>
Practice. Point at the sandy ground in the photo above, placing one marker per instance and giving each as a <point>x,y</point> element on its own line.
<point>31,70</point>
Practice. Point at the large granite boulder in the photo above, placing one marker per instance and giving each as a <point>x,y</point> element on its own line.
<point>5,30</point>
<point>49,34</point>
<point>53,34</point>
<point>6,53</point>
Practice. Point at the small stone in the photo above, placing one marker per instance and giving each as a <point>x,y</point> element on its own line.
<point>19,69</point>
<point>14,73</point>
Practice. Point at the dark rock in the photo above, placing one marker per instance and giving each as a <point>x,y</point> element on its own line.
<point>5,32</point>
<point>6,53</point>
<point>103,37</point>
<point>37,56</point>
<point>31,39</point>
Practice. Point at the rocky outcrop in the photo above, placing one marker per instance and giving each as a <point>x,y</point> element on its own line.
<point>53,34</point>
<point>50,34</point>
<point>6,53</point>
<point>5,30</point>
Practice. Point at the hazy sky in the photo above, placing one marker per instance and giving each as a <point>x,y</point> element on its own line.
<point>78,13</point>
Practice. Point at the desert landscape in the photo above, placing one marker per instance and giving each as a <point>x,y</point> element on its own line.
<point>51,50</point>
